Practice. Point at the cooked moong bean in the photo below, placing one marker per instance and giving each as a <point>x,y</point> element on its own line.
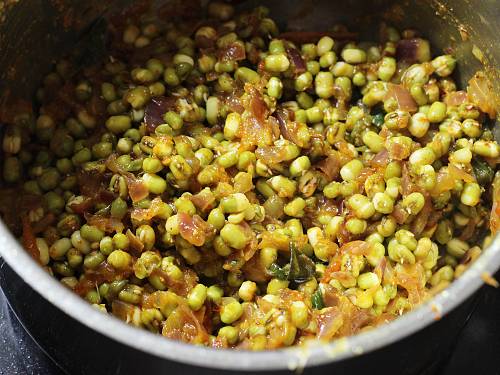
<point>227,173</point>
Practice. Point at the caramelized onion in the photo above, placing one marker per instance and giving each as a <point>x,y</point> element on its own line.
<point>446,178</point>
<point>103,273</point>
<point>194,229</point>
<point>233,101</point>
<point>330,167</point>
<point>343,277</point>
<point>298,63</point>
<point>482,94</point>
<point>470,229</point>
<point>412,278</point>
<point>136,187</point>
<point>412,50</point>
<point>455,98</point>
<point>288,128</point>
<point>380,160</point>
<point>257,127</point>
<point>407,185</point>
<point>495,209</point>
<point>93,186</point>
<point>82,207</point>
<point>180,287</point>
<point>105,223</point>
<point>421,220</point>
<point>334,266</point>
<point>330,296</point>
<point>157,107</point>
<point>204,200</point>
<point>29,239</point>
<point>136,246</point>
<point>124,311</point>
<point>402,96</point>
<point>254,270</point>
<point>356,248</point>
<point>145,214</point>
<point>233,52</point>
<point>183,324</point>
<point>329,322</point>
<point>280,241</point>
<point>271,154</point>
<point>400,214</point>
<point>397,151</point>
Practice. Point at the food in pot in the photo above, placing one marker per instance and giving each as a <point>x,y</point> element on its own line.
<point>223,183</point>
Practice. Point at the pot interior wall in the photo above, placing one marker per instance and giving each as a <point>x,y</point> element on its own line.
<point>30,45</point>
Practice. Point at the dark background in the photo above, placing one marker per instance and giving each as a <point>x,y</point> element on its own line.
<point>477,350</point>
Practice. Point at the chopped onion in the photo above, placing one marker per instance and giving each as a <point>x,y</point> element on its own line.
<point>145,214</point>
<point>105,223</point>
<point>446,178</point>
<point>204,200</point>
<point>183,324</point>
<point>298,63</point>
<point>402,96</point>
<point>330,167</point>
<point>258,128</point>
<point>29,239</point>
<point>271,154</point>
<point>412,278</point>
<point>136,246</point>
<point>288,128</point>
<point>194,229</point>
<point>136,187</point>
<point>495,209</point>
<point>157,107</point>
<point>413,50</point>
<point>329,322</point>
<point>233,52</point>
<point>455,98</point>
<point>482,94</point>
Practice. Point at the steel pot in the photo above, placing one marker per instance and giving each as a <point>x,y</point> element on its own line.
<point>85,341</point>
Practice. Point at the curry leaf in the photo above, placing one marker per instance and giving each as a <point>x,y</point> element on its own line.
<point>378,120</point>
<point>482,171</point>
<point>299,269</point>
<point>317,300</point>
<point>302,268</point>
<point>278,272</point>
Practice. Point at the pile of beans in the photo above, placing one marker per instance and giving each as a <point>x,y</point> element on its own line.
<point>225,184</point>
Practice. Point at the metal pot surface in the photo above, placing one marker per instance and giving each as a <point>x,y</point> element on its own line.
<point>85,341</point>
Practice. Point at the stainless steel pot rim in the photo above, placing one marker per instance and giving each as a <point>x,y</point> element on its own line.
<point>291,358</point>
